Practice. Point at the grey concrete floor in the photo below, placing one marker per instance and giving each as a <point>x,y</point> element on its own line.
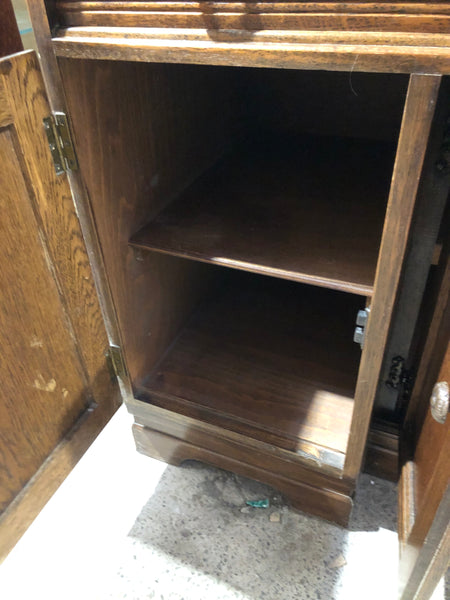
<point>126,526</point>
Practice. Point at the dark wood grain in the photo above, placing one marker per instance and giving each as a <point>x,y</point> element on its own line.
<point>242,447</point>
<point>270,358</point>
<point>10,41</point>
<point>382,455</point>
<point>422,252</point>
<point>338,51</point>
<point>161,145</point>
<point>434,331</point>
<point>417,118</point>
<point>432,472</point>
<point>322,502</point>
<point>424,508</point>
<point>304,209</point>
<point>99,309</point>
<point>367,106</point>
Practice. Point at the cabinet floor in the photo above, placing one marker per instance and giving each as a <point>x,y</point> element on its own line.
<point>125,526</point>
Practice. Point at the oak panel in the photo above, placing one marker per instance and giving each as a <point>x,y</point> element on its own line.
<point>43,389</point>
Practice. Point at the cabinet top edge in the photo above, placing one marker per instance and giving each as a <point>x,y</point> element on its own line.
<point>309,50</point>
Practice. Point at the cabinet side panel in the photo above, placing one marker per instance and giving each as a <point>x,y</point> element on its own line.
<point>143,133</point>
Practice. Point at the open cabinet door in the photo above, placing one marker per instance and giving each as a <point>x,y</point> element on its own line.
<point>424,502</point>
<point>56,390</point>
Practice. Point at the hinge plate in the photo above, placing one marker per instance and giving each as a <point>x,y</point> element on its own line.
<point>115,361</point>
<point>60,143</point>
<point>361,323</point>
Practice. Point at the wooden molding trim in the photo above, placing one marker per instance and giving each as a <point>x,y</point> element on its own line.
<point>332,51</point>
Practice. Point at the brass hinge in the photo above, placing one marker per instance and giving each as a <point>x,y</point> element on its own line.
<point>115,362</point>
<point>60,142</point>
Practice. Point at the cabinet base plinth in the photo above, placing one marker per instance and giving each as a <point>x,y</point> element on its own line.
<point>324,503</point>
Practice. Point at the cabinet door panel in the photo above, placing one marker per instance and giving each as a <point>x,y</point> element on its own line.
<point>42,390</point>
<point>56,392</point>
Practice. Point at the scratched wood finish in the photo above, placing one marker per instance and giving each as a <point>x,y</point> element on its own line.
<point>417,118</point>
<point>23,105</point>
<point>315,50</point>
<point>269,359</point>
<point>57,216</point>
<point>287,207</point>
<point>43,389</point>
<point>242,447</point>
<point>322,502</point>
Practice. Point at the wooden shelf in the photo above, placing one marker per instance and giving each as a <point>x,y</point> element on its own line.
<point>305,209</point>
<point>270,359</point>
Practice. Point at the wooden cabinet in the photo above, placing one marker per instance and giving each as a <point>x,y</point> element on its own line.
<point>251,182</point>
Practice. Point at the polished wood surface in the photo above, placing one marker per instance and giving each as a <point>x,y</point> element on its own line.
<point>305,209</point>
<point>314,50</point>
<point>322,502</point>
<point>416,124</point>
<point>272,359</point>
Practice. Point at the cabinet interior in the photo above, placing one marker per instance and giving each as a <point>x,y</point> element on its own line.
<point>240,213</point>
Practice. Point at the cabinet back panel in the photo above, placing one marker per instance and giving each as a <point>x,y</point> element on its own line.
<point>143,133</point>
<point>359,105</point>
